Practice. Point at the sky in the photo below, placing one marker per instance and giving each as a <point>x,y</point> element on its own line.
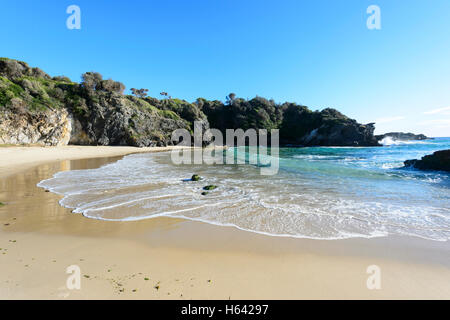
<point>316,53</point>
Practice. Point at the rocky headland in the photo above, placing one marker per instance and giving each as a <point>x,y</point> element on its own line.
<point>36,108</point>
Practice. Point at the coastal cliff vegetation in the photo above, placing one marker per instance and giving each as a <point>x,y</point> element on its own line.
<point>39,109</point>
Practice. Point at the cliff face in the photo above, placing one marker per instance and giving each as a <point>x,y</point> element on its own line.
<point>439,161</point>
<point>42,128</point>
<point>38,109</point>
<point>114,119</point>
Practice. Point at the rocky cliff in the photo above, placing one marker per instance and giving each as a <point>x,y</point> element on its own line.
<point>43,128</point>
<point>36,108</point>
<point>439,161</point>
<point>328,127</point>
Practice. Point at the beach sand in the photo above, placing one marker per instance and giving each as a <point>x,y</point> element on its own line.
<point>166,258</point>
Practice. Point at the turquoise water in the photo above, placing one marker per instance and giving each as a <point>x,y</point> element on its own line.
<point>319,193</point>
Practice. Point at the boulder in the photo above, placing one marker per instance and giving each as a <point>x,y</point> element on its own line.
<point>439,161</point>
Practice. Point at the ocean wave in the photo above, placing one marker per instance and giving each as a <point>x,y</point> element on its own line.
<point>299,203</point>
<point>389,141</point>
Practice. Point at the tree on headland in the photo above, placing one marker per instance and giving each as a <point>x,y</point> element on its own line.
<point>165,94</point>
<point>140,93</point>
<point>230,98</point>
<point>111,86</point>
<point>93,81</point>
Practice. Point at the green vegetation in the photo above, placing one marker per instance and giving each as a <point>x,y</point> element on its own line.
<point>2,204</point>
<point>210,187</point>
<point>32,93</point>
<point>169,114</point>
<point>196,177</point>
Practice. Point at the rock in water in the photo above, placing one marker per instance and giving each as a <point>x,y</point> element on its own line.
<point>402,136</point>
<point>210,187</point>
<point>439,161</point>
<point>196,177</point>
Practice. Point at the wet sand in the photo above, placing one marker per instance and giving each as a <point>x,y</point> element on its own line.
<point>166,258</point>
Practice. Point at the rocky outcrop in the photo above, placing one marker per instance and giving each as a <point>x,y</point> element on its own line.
<point>341,133</point>
<point>402,136</point>
<point>329,127</point>
<point>299,126</point>
<point>50,128</point>
<point>439,161</point>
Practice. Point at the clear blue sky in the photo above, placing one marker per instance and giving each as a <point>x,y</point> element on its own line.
<point>318,53</point>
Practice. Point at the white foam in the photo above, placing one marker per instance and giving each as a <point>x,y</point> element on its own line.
<point>288,205</point>
<point>389,141</point>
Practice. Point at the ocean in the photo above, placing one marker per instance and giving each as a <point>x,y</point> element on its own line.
<point>318,192</point>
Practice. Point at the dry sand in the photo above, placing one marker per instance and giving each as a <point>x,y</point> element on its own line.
<point>166,258</point>
<point>16,159</point>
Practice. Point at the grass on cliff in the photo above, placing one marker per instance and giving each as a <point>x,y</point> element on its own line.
<point>33,94</point>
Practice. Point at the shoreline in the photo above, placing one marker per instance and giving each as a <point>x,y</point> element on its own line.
<point>14,159</point>
<point>185,259</point>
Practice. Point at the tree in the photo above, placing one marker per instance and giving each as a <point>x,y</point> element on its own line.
<point>165,94</point>
<point>230,98</point>
<point>140,93</point>
<point>111,86</point>
<point>91,80</point>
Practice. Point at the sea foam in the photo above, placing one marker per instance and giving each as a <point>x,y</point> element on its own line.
<point>349,192</point>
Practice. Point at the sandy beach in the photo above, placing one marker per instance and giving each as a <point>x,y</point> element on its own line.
<point>167,258</point>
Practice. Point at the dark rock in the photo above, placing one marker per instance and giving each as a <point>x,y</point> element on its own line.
<point>204,193</point>
<point>402,136</point>
<point>439,161</point>
<point>196,177</point>
<point>210,187</point>
<point>326,128</point>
